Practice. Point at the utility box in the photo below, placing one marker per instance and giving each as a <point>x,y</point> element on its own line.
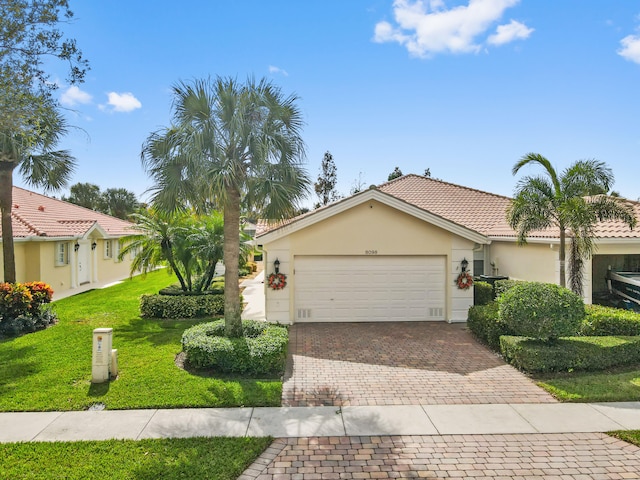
<point>101,358</point>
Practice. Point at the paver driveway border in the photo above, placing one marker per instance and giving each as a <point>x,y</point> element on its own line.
<point>560,456</point>
<point>398,363</point>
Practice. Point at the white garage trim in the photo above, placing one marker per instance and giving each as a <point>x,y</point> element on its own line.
<point>369,288</point>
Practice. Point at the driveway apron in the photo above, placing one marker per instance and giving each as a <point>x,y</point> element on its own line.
<point>398,363</point>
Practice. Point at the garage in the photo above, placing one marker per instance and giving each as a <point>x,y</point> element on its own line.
<point>369,288</point>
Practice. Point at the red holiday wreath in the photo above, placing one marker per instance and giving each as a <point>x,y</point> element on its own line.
<point>464,281</point>
<point>277,281</point>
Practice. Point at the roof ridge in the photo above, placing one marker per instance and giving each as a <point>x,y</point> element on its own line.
<point>445,183</point>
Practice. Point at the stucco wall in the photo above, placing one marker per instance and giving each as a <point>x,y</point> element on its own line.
<point>369,227</point>
<point>534,261</point>
<point>36,261</point>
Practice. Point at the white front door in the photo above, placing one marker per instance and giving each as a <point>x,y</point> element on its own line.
<point>369,288</point>
<point>84,262</point>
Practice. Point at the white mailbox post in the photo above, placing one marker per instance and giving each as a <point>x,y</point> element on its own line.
<point>101,358</point>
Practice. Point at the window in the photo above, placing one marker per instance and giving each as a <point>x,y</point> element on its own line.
<point>108,249</point>
<point>62,254</point>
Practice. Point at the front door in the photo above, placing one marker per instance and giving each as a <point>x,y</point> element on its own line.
<point>84,263</point>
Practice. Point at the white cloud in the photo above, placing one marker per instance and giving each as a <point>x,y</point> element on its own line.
<point>274,69</point>
<point>74,96</point>
<point>509,32</point>
<point>427,27</point>
<point>123,102</point>
<point>630,48</point>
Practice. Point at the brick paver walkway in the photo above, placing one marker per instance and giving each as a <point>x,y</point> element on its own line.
<point>585,456</point>
<point>405,363</point>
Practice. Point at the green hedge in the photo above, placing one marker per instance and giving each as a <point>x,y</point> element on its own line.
<point>482,293</point>
<point>571,353</point>
<point>484,323</point>
<point>609,321</point>
<point>501,286</point>
<point>170,306</point>
<point>261,350</point>
<point>541,310</point>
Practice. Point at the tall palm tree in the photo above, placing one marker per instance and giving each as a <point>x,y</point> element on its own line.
<point>30,149</point>
<point>573,202</point>
<point>230,146</point>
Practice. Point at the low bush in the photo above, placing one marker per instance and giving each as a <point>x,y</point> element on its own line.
<point>183,306</point>
<point>501,286</point>
<point>541,310</point>
<point>261,350</point>
<point>482,293</point>
<point>484,323</point>
<point>601,321</point>
<point>216,288</point>
<point>22,308</point>
<point>572,353</point>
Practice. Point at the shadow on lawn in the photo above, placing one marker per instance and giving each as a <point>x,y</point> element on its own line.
<point>154,330</point>
<point>17,363</point>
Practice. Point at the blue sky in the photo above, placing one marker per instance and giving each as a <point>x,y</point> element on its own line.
<point>464,88</point>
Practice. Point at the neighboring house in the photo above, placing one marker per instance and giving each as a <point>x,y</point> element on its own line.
<point>63,244</point>
<point>394,252</point>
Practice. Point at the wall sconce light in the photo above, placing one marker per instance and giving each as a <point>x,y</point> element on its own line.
<point>94,245</point>
<point>276,265</point>
<point>464,264</point>
<point>76,247</point>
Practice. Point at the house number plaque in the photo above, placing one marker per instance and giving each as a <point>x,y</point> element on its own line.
<point>371,252</point>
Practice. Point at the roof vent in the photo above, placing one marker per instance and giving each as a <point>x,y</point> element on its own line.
<point>41,208</point>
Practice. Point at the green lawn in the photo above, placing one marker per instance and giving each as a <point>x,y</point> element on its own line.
<point>197,458</point>
<point>51,369</point>
<point>616,385</point>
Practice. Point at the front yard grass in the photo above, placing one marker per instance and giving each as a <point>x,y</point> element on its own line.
<point>51,369</point>
<point>203,458</point>
<point>612,385</point>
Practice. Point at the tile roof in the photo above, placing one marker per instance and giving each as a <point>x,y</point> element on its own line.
<point>481,211</point>
<point>476,210</point>
<point>37,215</point>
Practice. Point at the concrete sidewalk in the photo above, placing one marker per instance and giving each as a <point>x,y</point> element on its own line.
<point>253,295</point>
<point>320,421</point>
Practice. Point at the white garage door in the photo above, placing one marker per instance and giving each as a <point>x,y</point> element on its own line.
<point>369,288</point>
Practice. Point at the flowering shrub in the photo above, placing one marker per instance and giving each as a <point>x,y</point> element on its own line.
<point>22,307</point>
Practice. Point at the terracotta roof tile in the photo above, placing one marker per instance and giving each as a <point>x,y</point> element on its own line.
<point>38,215</point>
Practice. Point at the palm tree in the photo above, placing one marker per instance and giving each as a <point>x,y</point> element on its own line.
<point>573,202</point>
<point>157,243</point>
<point>231,146</point>
<point>30,149</point>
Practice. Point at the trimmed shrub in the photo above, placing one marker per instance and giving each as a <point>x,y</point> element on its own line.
<point>484,323</point>
<point>541,310</point>
<point>191,306</point>
<point>602,321</point>
<point>572,353</point>
<point>260,351</point>
<point>176,290</point>
<point>482,293</point>
<point>501,286</point>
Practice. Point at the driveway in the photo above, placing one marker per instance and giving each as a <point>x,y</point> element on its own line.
<point>403,363</point>
<point>587,456</point>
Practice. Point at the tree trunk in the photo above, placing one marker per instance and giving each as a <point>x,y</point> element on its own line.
<point>231,255</point>
<point>561,257</point>
<point>6,203</point>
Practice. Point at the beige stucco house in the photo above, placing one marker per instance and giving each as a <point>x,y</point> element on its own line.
<point>65,245</point>
<point>394,252</point>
